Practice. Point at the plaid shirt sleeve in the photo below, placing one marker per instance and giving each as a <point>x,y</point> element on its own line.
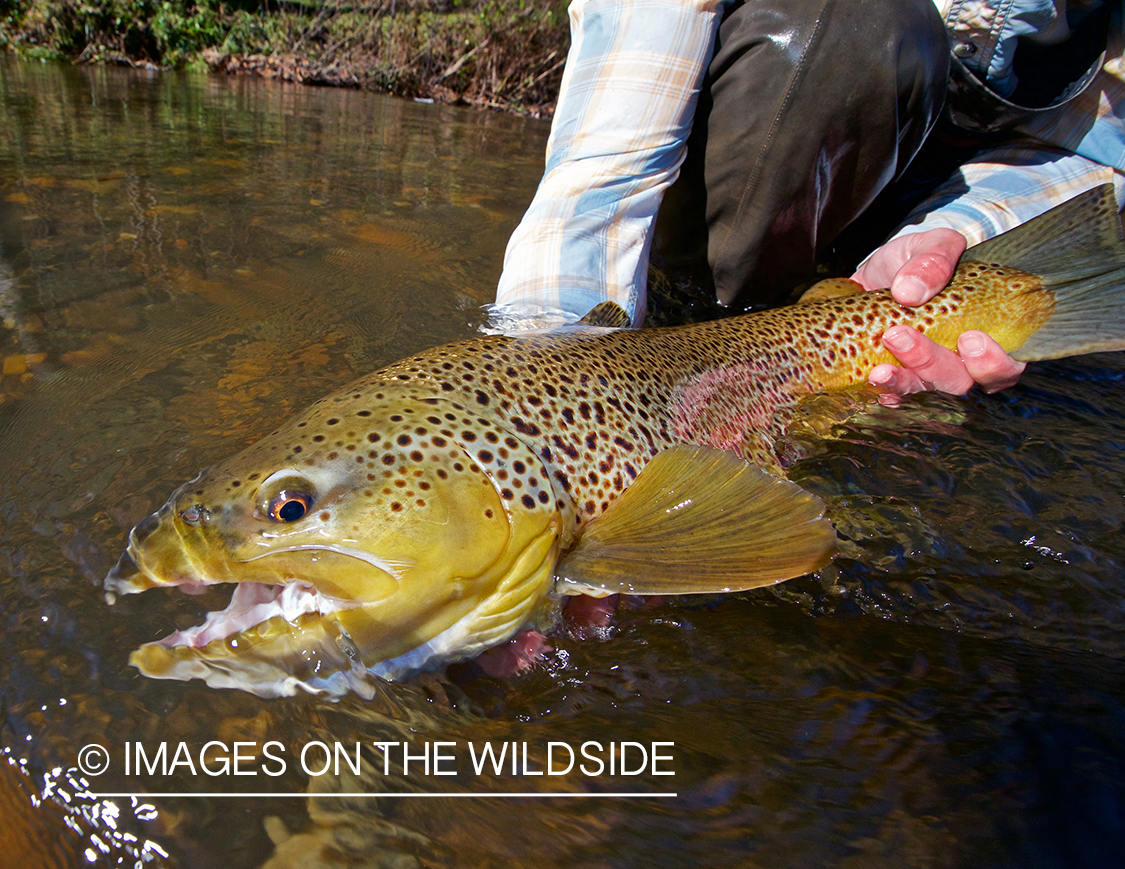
<point>618,138</point>
<point>1051,159</point>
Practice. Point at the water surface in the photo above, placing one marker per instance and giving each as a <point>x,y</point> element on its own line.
<point>185,261</point>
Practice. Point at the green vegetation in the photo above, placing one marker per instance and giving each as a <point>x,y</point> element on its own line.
<point>501,53</point>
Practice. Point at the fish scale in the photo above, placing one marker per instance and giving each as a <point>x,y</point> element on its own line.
<point>431,510</point>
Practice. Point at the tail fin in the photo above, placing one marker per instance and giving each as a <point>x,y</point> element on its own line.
<point>1079,250</point>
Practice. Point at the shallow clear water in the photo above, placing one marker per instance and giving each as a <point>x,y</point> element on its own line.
<point>186,260</point>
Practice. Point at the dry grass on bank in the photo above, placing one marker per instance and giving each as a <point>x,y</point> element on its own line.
<point>506,55</point>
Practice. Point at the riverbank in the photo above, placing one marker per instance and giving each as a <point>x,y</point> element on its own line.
<point>502,54</point>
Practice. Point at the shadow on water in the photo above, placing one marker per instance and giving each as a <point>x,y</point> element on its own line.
<point>186,260</point>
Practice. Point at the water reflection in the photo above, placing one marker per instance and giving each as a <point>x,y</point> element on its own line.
<point>185,260</point>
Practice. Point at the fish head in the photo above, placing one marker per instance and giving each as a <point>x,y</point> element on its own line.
<point>381,532</point>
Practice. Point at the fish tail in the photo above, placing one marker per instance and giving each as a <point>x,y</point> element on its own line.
<point>1078,250</point>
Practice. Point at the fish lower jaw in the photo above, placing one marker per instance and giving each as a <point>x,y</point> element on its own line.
<point>253,604</point>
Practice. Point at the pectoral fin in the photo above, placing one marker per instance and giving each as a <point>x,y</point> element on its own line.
<point>699,520</point>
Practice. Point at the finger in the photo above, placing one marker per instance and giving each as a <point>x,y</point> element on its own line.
<point>987,363</point>
<point>915,266</point>
<point>937,367</point>
<point>895,380</point>
<point>590,616</point>
<point>929,267</point>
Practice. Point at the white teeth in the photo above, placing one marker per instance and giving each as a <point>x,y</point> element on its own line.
<point>252,604</point>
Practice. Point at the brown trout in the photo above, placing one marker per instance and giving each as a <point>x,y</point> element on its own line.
<point>431,510</point>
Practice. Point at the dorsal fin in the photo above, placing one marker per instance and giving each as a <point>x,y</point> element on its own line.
<point>830,288</point>
<point>699,520</point>
<point>608,315</point>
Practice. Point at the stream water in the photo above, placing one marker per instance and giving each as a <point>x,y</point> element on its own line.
<point>187,260</point>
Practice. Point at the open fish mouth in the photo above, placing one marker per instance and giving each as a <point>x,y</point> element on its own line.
<point>275,638</point>
<point>254,604</point>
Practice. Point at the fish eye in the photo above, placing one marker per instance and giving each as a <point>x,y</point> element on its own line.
<point>290,506</point>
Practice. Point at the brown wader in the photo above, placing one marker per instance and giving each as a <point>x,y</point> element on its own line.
<point>809,109</point>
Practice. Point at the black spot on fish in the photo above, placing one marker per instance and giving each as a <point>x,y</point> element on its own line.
<point>527,428</point>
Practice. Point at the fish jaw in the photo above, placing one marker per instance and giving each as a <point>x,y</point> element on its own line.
<point>272,641</point>
<point>284,639</point>
<point>164,552</point>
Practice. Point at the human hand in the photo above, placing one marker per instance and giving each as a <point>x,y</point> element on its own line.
<point>916,268</point>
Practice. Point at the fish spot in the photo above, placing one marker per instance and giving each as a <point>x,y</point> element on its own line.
<point>396,506</point>
<point>404,440</point>
<point>325,516</point>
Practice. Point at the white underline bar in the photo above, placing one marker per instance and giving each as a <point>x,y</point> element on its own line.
<point>541,796</point>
